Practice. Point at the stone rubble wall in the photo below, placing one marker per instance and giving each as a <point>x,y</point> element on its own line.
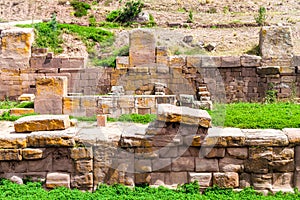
<point>178,148</point>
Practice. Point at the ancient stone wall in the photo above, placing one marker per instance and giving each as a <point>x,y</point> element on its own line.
<point>178,148</point>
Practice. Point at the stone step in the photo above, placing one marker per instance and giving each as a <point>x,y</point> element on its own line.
<point>204,94</point>
<point>42,123</point>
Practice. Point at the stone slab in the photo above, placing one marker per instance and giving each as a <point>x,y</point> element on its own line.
<point>185,115</point>
<point>21,111</point>
<point>293,135</point>
<point>42,123</point>
<point>224,137</point>
<point>265,137</point>
<point>13,141</point>
<point>54,180</point>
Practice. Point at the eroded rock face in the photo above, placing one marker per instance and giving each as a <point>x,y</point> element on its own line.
<point>42,123</point>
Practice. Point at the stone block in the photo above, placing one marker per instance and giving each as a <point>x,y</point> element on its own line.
<point>52,86</point>
<point>293,135</point>
<point>176,178</point>
<point>204,179</point>
<point>183,164</point>
<point>54,180</point>
<point>268,70</point>
<point>250,61</point>
<point>206,165</point>
<point>101,120</point>
<point>177,62</point>
<point>21,111</point>
<point>83,166</point>
<point>212,152</point>
<point>16,43</point>
<point>245,180</point>
<point>81,153</point>
<point>26,97</point>
<point>65,138</point>
<point>240,153</point>
<point>257,165</point>
<point>193,61</point>
<point>32,154</point>
<point>143,166</point>
<point>10,154</point>
<point>42,123</point>
<point>161,164</point>
<point>44,105</point>
<point>13,141</point>
<point>185,115</point>
<point>211,62</point>
<point>122,62</point>
<point>231,61</point>
<point>287,70</point>
<point>168,152</point>
<point>266,137</point>
<point>224,137</point>
<point>231,165</point>
<point>142,47</point>
<point>278,39</point>
<point>84,181</point>
<point>226,180</point>
<point>162,51</point>
<point>142,178</point>
<point>282,181</point>
<point>262,181</point>
<point>43,165</point>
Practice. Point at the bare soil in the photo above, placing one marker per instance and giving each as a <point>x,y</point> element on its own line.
<point>238,34</point>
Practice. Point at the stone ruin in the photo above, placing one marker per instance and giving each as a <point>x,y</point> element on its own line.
<point>179,147</point>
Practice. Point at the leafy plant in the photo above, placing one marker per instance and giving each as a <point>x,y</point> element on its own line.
<point>260,19</point>
<point>151,22</point>
<point>190,17</point>
<point>126,14</point>
<point>7,117</point>
<point>271,94</point>
<point>111,60</point>
<point>81,8</point>
<point>92,21</point>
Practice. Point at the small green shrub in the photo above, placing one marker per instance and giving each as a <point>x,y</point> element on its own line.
<point>92,21</point>
<point>126,14</point>
<point>271,94</point>
<point>81,8</point>
<point>25,104</point>
<point>190,17</point>
<point>260,19</point>
<point>111,60</point>
<point>151,22</point>
<point>7,117</point>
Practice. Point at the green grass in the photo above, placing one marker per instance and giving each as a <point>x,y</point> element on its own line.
<point>33,191</point>
<point>257,115</point>
<point>7,117</point>
<point>136,118</point>
<point>14,104</point>
<point>47,38</point>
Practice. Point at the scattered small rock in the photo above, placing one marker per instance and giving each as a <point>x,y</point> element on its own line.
<point>16,179</point>
<point>211,46</point>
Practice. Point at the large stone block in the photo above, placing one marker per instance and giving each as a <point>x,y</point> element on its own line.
<point>226,180</point>
<point>56,86</point>
<point>262,181</point>
<point>142,47</point>
<point>183,164</point>
<point>13,141</point>
<point>65,138</point>
<point>32,154</point>
<point>10,154</point>
<point>16,43</point>
<point>42,123</point>
<point>250,61</point>
<point>241,153</point>
<point>185,115</point>
<point>231,61</point>
<point>225,137</point>
<point>206,165</point>
<point>293,135</point>
<point>54,180</point>
<point>231,165</point>
<point>84,181</point>
<point>44,105</point>
<point>82,153</point>
<point>204,179</point>
<point>275,43</point>
<point>266,137</point>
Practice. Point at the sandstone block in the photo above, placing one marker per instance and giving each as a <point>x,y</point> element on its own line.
<point>83,181</point>
<point>206,165</point>
<point>250,61</point>
<point>21,111</point>
<point>101,120</point>
<point>231,165</point>
<point>204,179</point>
<point>212,152</point>
<point>10,154</point>
<point>142,47</point>
<point>268,70</point>
<point>54,180</point>
<point>266,137</point>
<point>224,137</point>
<point>177,61</point>
<point>52,86</point>
<point>231,61</point>
<point>83,166</point>
<point>42,123</point>
<point>161,164</point>
<point>257,165</point>
<point>277,38</point>
<point>211,61</point>
<point>176,178</point>
<point>32,154</point>
<point>13,141</point>
<point>226,180</point>
<point>65,138</point>
<point>168,152</point>
<point>143,166</point>
<point>44,105</point>
<point>293,135</point>
<point>262,181</point>
<point>142,178</point>
<point>282,181</point>
<point>245,180</point>
<point>162,51</point>
<point>194,61</point>
<point>185,115</point>
<point>81,153</point>
<point>240,153</point>
<point>183,164</point>
<point>26,97</point>
<point>122,62</point>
